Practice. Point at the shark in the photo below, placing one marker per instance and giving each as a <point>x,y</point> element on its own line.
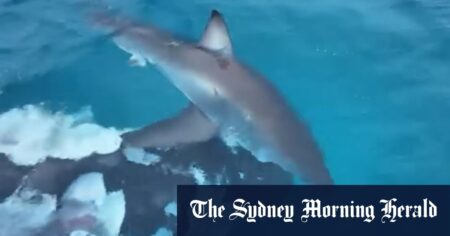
<point>227,98</point>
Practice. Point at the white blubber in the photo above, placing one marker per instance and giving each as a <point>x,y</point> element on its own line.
<point>87,188</point>
<point>28,212</point>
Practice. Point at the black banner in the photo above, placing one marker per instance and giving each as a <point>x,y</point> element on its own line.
<point>313,210</point>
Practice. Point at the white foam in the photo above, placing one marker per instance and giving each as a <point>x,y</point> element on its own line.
<point>163,232</point>
<point>140,156</point>
<point>230,138</point>
<point>171,209</point>
<point>30,134</point>
<point>80,233</point>
<point>241,175</point>
<point>199,175</point>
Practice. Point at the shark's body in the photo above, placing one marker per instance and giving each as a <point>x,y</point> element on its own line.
<point>226,97</point>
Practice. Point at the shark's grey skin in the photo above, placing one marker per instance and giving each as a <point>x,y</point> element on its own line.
<point>226,97</point>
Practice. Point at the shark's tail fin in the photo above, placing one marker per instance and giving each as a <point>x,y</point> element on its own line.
<point>107,20</point>
<point>104,17</point>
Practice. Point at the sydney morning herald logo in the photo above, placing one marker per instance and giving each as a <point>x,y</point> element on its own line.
<point>313,209</point>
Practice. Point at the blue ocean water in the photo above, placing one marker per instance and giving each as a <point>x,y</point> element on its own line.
<point>371,78</point>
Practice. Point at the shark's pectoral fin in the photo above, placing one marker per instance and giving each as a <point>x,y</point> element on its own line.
<point>190,126</point>
<point>216,36</point>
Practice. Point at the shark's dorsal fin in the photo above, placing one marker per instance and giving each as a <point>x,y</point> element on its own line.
<point>216,36</point>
